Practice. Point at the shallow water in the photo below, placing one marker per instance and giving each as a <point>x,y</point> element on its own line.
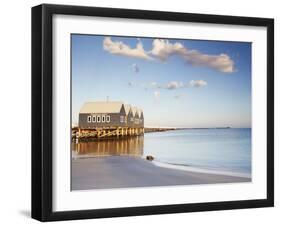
<point>129,146</point>
<point>215,149</point>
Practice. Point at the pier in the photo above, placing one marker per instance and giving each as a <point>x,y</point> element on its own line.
<point>97,133</point>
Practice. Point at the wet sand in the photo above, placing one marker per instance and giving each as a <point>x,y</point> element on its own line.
<point>125,172</point>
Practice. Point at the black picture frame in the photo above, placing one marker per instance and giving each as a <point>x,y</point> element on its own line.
<point>42,111</point>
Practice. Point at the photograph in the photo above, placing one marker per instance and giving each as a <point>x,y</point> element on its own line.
<point>141,112</point>
<point>149,112</point>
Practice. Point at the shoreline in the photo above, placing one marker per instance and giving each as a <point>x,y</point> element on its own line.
<point>168,165</point>
<point>108,172</point>
<point>200,170</point>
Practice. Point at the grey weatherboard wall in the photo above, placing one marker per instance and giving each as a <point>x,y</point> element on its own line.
<point>114,120</point>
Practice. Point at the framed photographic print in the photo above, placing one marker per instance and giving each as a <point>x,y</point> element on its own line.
<point>146,112</point>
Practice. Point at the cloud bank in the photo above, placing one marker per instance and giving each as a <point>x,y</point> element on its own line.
<point>164,49</point>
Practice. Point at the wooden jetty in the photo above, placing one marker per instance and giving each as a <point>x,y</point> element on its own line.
<point>85,134</point>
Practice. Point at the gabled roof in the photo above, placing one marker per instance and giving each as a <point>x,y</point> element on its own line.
<point>140,112</point>
<point>127,108</point>
<point>135,111</point>
<point>102,107</point>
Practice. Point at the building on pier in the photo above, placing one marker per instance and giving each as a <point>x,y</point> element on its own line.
<point>110,118</point>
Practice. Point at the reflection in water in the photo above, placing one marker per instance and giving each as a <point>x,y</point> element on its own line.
<point>130,146</point>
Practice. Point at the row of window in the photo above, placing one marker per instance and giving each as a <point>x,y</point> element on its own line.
<point>106,118</point>
<point>98,118</point>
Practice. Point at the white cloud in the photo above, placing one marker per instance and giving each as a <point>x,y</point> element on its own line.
<point>221,62</point>
<point>174,85</point>
<point>198,83</point>
<point>163,49</point>
<point>156,94</point>
<point>130,83</point>
<point>171,85</point>
<point>119,48</point>
<point>136,68</point>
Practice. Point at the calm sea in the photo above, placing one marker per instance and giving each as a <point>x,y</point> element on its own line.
<point>213,149</point>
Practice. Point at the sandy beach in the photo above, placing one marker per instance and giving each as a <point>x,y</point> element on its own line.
<point>124,172</point>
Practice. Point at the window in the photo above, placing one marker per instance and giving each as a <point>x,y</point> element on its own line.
<point>103,118</point>
<point>98,118</point>
<point>89,119</point>
<point>121,118</point>
<point>94,118</point>
<point>108,118</point>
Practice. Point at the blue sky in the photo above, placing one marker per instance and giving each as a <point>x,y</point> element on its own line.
<point>181,83</point>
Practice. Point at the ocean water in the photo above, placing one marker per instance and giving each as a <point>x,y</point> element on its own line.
<point>226,150</point>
